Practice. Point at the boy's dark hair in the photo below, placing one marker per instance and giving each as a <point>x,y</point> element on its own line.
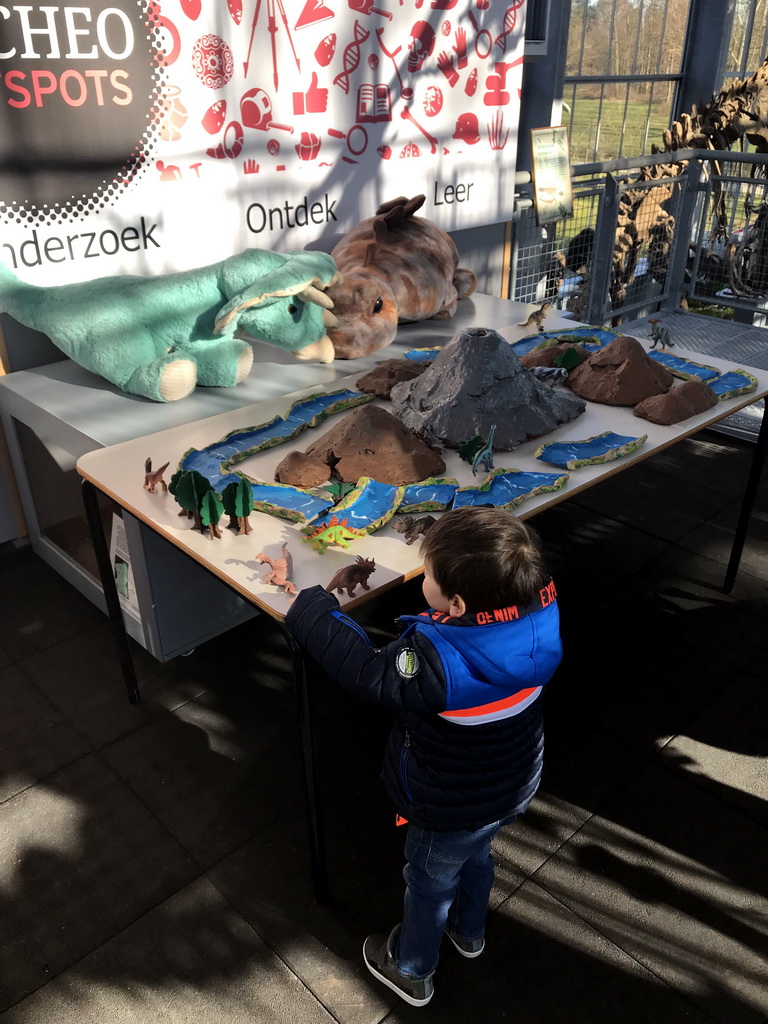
<point>486,555</point>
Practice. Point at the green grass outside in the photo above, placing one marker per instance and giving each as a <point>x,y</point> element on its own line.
<point>596,133</point>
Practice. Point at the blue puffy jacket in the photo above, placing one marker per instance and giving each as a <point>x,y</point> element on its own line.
<point>467,740</point>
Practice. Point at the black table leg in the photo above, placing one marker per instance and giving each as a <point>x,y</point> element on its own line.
<point>309,764</point>
<point>756,469</point>
<point>93,515</point>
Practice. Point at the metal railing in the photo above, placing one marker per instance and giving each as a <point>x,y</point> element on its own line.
<point>637,243</point>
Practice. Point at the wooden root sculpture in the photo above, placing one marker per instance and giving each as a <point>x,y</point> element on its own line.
<point>397,268</point>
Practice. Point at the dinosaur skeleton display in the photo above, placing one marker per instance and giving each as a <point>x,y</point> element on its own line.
<point>738,114</point>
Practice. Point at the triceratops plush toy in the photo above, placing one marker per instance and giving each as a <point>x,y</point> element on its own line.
<point>397,268</point>
<point>160,336</point>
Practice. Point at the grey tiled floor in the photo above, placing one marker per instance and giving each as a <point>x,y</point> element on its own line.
<point>153,859</point>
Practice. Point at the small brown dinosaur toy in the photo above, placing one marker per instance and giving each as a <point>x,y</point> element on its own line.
<point>348,577</point>
<point>282,570</point>
<point>154,478</point>
<point>537,317</point>
<point>413,528</point>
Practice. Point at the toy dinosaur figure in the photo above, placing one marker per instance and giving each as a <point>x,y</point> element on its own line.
<point>349,576</point>
<point>484,455</point>
<point>397,268</point>
<point>660,335</point>
<point>160,336</point>
<point>281,570</point>
<point>154,478</point>
<point>334,531</point>
<point>412,529</point>
<point>538,316</point>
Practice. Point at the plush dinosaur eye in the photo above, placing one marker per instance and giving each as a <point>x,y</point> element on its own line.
<point>378,305</point>
<point>293,308</point>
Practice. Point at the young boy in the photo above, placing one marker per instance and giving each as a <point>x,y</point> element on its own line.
<point>464,756</point>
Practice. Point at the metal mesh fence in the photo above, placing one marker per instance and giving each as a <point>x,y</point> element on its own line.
<point>729,244</point>
<point>633,245</point>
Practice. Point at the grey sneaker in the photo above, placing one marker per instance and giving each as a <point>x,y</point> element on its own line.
<point>378,957</point>
<point>469,948</point>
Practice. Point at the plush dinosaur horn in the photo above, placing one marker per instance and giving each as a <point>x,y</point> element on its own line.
<point>298,275</point>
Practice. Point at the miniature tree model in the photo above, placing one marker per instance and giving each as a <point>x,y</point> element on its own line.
<point>237,499</point>
<point>211,510</point>
<point>188,488</point>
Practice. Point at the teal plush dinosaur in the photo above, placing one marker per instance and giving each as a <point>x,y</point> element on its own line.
<point>160,336</point>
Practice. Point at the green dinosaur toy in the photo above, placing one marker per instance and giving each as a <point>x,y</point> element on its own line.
<point>160,336</point>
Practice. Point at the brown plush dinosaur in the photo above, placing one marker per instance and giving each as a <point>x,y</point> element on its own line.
<point>396,268</point>
<point>349,576</point>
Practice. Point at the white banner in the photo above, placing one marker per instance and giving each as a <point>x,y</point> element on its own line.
<point>144,138</point>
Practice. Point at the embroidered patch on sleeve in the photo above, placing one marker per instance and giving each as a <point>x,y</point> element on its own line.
<point>407,663</point>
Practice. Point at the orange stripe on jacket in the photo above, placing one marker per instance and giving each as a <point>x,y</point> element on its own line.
<point>498,705</point>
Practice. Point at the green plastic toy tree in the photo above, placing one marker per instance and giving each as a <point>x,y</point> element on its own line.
<point>211,511</point>
<point>188,488</point>
<point>237,498</point>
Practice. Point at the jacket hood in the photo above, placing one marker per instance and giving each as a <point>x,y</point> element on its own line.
<point>507,655</point>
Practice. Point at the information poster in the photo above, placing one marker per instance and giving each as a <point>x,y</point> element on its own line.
<point>121,567</point>
<point>551,163</point>
<point>150,135</point>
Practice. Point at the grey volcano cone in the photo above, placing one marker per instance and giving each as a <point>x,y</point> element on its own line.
<point>477,381</point>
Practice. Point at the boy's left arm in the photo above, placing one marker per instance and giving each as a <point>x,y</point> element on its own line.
<point>343,648</point>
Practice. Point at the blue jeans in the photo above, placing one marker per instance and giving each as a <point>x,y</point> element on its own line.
<point>448,878</point>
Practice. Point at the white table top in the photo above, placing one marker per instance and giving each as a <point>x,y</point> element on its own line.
<point>118,471</point>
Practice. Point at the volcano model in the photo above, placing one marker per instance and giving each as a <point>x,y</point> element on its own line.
<point>477,381</point>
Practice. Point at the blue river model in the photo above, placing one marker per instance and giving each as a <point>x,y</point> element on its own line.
<point>214,462</point>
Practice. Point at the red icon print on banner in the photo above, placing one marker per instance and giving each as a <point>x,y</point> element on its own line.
<point>385,152</point>
<point>483,38</point>
<point>497,95</point>
<point>272,29</point>
<point>445,63</point>
<point>443,5</point>
<point>373,61</point>
<point>351,59</point>
<point>433,101</point>
<point>497,135</point>
<point>471,87</point>
<point>408,116</point>
<point>460,48</point>
<point>168,172</point>
<point>231,145</point>
<point>309,147</point>
<point>357,140</point>
<point>315,101</point>
<point>273,147</point>
<point>325,50</point>
<point>191,8</point>
<point>314,12</point>
<point>374,103</point>
<point>235,8</point>
<point>410,150</point>
<point>483,5</point>
<point>510,19</point>
<point>366,7</point>
<point>212,61</point>
<point>467,129</point>
<point>421,43</point>
<point>214,117</point>
<point>445,28</point>
<point>256,112</point>
<point>171,114</point>
<point>405,92</point>
<point>250,167</point>
<point>165,56</point>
